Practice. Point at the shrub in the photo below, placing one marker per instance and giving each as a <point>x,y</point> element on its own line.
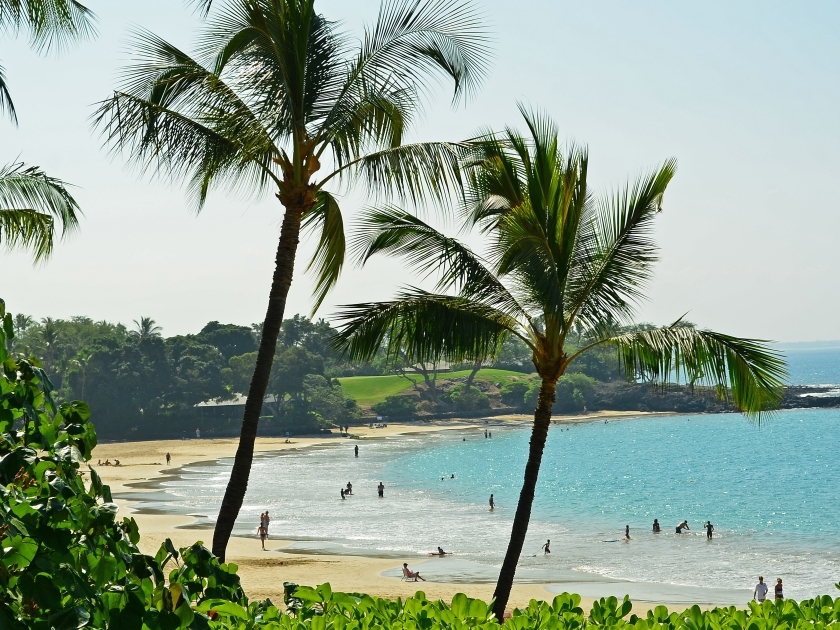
<point>396,406</point>
<point>472,399</point>
<point>513,393</point>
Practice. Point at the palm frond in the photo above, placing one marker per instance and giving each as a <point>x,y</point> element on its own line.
<point>612,272</point>
<point>415,173</point>
<point>392,231</point>
<point>422,326</point>
<point>414,39</point>
<point>30,204</point>
<point>6,104</point>
<point>328,259</point>
<point>744,371</point>
<point>50,23</point>
<point>178,119</point>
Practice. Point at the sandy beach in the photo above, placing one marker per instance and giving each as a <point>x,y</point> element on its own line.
<point>263,573</point>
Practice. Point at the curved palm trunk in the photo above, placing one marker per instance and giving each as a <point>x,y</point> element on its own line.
<point>542,420</point>
<point>238,483</point>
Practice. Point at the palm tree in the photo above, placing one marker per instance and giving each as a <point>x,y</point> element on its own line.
<point>21,322</point>
<point>30,204</point>
<point>50,337</point>
<point>557,257</point>
<point>30,200</point>
<point>274,94</point>
<point>146,328</point>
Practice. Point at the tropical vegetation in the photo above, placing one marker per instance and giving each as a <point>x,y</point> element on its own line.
<point>561,265</point>
<point>275,93</point>
<point>31,201</point>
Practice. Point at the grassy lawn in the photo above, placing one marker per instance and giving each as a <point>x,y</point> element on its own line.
<point>369,390</point>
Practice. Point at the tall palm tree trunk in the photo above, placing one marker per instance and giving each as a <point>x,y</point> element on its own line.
<point>542,420</point>
<point>238,483</point>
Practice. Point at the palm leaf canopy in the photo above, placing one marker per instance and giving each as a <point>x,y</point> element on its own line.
<point>50,24</point>
<point>275,92</point>
<point>31,202</point>
<point>559,259</point>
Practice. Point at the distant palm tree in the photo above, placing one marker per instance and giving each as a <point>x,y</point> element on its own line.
<point>146,328</point>
<point>276,93</point>
<point>557,257</point>
<point>50,338</point>
<point>82,362</point>
<point>31,201</point>
<point>21,322</point>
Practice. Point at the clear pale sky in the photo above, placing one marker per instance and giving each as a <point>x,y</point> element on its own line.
<point>745,95</point>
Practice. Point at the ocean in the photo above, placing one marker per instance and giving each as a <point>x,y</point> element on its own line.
<point>769,489</point>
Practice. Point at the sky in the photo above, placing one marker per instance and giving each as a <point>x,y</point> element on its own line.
<point>744,95</point>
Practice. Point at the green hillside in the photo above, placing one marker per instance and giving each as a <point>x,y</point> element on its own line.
<point>369,390</point>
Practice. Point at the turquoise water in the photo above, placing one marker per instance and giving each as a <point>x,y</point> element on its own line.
<point>813,366</point>
<point>771,492</point>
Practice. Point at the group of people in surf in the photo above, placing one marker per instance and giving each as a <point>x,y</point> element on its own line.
<point>681,527</point>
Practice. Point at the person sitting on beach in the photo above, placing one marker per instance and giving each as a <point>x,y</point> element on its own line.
<point>107,462</point>
<point>656,528</point>
<point>682,526</point>
<point>411,575</point>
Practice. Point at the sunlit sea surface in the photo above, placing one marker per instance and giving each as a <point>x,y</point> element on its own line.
<point>771,491</point>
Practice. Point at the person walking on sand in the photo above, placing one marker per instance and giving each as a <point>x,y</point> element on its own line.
<point>492,503</point>
<point>356,449</point>
<point>760,592</point>
<point>656,528</point>
<point>266,520</point>
<point>709,529</point>
<point>779,591</point>
<point>168,458</point>
<point>263,534</point>
<point>381,488</point>
<point>547,547</point>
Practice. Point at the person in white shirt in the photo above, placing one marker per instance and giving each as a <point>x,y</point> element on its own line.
<point>760,592</point>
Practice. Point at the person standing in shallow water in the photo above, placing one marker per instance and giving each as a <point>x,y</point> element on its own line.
<point>709,529</point>
<point>656,528</point>
<point>780,594</point>
<point>381,488</point>
<point>356,449</point>
<point>547,547</point>
<point>627,532</point>
<point>492,503</point>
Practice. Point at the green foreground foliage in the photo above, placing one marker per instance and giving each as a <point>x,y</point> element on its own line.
<point>67,561</point>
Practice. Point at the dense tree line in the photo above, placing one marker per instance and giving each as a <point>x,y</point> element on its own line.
<point>140,384</point>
